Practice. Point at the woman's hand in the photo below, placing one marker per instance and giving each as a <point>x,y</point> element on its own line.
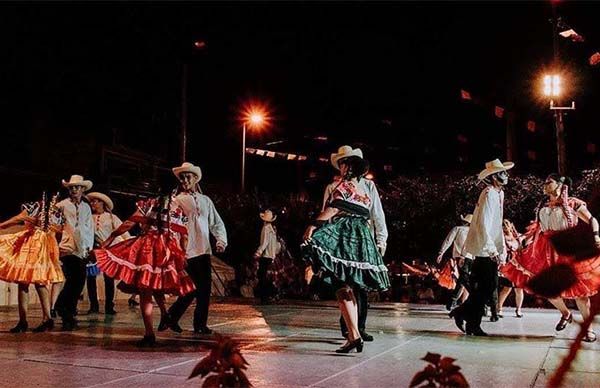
<point>108,242</point>
<point>309,232</point>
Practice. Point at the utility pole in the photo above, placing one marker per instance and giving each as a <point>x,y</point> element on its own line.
<point>559,124</point>
<point>184,115</point>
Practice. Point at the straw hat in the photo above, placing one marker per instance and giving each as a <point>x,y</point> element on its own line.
<point>493,167</point>
<point>188,167</point>
<point>268,216</point>
<point>77,180</point>
<point>101,197</point>
<point>345,152</point>
<point>468,218</point>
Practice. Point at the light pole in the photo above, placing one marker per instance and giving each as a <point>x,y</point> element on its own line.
<point>553,89</point>
<point>255,117</point>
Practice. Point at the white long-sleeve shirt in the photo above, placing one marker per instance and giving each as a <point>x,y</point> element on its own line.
<point>104,225</point>
<point>485,237</point>
<point>78,233</point>
<point>269,246</point>
<point>203,220</point>
<point>456,238</point>
<point>377,216</point>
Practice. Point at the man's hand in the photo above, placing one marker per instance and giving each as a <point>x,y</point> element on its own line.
<point>220,247</point>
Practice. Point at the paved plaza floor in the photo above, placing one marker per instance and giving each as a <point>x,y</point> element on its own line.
<point>292,345</point>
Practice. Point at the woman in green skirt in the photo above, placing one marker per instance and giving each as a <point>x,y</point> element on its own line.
<point>342,249</point>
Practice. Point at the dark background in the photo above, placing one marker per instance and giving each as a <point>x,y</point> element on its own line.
<point>77,77</point>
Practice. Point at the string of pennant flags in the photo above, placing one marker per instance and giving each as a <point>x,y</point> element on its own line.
<point>283,155</point>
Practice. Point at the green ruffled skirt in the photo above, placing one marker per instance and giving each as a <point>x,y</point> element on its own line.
<point>344,251</point>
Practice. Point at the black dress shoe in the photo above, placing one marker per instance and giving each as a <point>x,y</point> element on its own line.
<point>110,312</point>
<point>93,311</point>
<point>132,303</point>
<point>477,332</point>
<point>459,320</point>
<point>356,344</point>
<point>494,318</point>
<point>175,327</point>
<point>47,325</point>
<point>69,325</point>
<point>366,336</point>
<point>204,330</point>
<point>147,342</point>
<point>20,328</point>
<point>53,313</point>
<point>165,323</point>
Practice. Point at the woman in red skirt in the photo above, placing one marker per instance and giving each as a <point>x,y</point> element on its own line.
<point>152,263</point>
<point>559,213</point>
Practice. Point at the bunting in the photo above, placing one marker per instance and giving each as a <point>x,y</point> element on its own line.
<point>283,155</point>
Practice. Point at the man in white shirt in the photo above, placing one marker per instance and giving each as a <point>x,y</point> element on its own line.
<point>105,222</point>
<point>456,238</point>
<point>485,242</point>
<point>203,220</point>
<point>75,246</point>
<point>378,227</point>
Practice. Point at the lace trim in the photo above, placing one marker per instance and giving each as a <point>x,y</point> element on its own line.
<point>347,263</point>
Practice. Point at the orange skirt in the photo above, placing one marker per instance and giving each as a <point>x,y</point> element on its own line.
<point>30,256</point>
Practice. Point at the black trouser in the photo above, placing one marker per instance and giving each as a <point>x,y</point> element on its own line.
<point>464,273</point>
<point>109,292</point>
<point>74,270</point>
<point>264,288</point>
<point>362,305</point>
<point>483,282</point>
<point>199,269</point>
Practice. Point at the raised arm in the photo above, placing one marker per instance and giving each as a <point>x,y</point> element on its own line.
<point>123,228</point>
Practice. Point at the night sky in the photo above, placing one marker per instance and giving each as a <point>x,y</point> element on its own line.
<point>385,76</point>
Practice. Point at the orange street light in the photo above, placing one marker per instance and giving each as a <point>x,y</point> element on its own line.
<point>254,116</point>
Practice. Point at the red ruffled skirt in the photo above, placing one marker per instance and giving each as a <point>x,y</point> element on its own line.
<point>540,255</point>
<point>447,276</point>
<point>152,261</point>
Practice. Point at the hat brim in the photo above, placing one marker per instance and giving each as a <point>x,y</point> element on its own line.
<point>468,218</point>
<point>336,158</point>
<point>194,170</point>
<point>86,184</point>
<point>102,197</point>
<point>264,217</point>
<point>489,171</point>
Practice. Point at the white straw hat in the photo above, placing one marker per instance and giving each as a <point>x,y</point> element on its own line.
<point>468,218</point>
<point>493,167</point>
<point>77,180</point>
<point>101,197</point>
<point>268,216</point>
<point>188,167</point>
<point>345,152</point>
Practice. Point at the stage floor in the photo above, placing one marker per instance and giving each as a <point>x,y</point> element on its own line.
<point>292,345</point>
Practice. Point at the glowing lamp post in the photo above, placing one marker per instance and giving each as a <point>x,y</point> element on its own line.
<point>553,89</point>
<point>253,117</point>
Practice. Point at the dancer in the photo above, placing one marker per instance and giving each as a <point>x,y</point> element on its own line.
<point>75,246</point>
<point>203,220</point>
<point>105,223</point>
<point>513,240</point>
<point>559,213</point>
<point>485,242</point>
<point>31,256</point>
<point>151,264</point>
<point>377,225</point>
<point>340,245</point>
<point>266,253</point>
<point>461,260</point>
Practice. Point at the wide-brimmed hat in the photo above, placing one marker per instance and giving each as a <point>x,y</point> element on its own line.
<point>101,197</point>
<point>493,167</point>
<point>468,218</point>
<point>345,152</point>
<point>77,180</point>
<point>268,215</point>
<point>188,167</point>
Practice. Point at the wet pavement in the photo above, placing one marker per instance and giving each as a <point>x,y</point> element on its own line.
<point>292,345</point>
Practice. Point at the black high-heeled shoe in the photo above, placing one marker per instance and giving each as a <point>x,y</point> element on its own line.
<point>564,322</point>
<point>356,344</point>
<point>21,327</point>
<point>518,314</point>
<point>147,342</point>
<point>47,325</point>
<point>132,303</point>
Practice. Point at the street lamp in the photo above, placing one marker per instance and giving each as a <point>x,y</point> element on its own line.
<point>254,117</point>
<point>553,89</point>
